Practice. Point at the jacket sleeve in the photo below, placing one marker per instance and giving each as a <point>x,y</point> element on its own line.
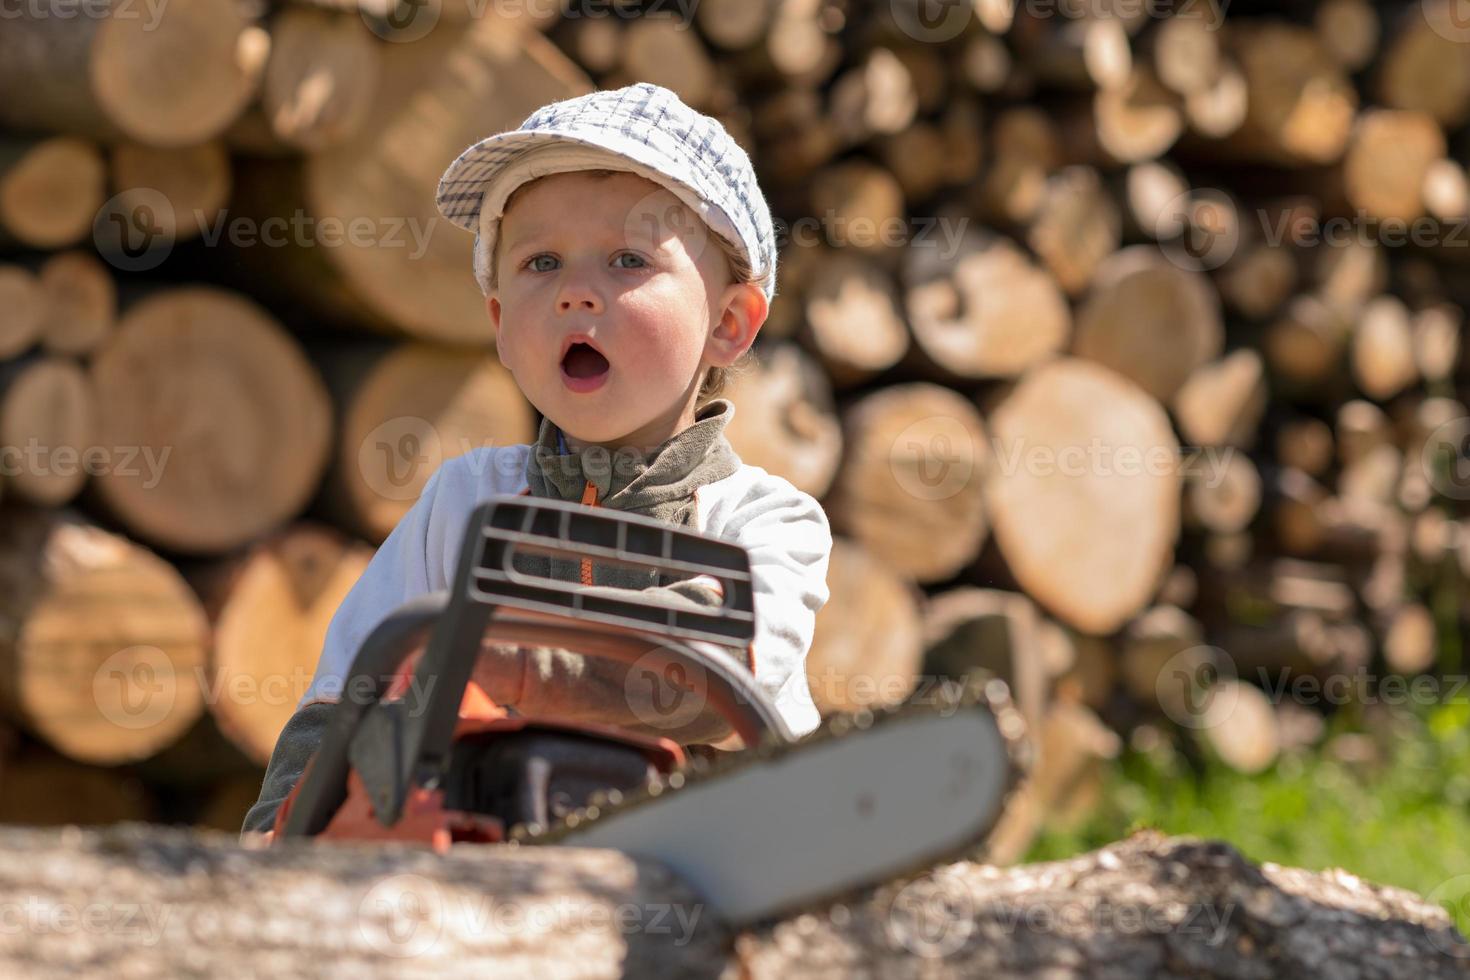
<point>789,540</point>
<point>400,570</point>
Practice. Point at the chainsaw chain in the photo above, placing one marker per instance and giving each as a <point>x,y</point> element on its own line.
<point>979,689</point>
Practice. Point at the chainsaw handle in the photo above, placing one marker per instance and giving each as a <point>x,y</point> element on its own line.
<point>729,688</point>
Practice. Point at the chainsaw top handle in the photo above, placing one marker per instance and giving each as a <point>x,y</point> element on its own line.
<point>395,744</point>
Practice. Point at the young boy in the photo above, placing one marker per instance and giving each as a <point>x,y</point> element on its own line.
<point>628,259</point>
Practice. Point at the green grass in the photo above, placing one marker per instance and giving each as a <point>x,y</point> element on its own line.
<point>1404,822</point>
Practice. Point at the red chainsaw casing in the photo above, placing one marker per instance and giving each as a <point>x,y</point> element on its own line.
<point>425,819</point>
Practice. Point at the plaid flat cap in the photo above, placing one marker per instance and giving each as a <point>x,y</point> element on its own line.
<point>644,129</point>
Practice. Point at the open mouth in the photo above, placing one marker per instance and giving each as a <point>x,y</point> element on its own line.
<point>584,361</point>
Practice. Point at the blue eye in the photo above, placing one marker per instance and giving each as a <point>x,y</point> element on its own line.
<point>531,262</point>
<point>632,255</point>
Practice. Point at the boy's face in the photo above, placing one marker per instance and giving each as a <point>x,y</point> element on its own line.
<point>618,261</point>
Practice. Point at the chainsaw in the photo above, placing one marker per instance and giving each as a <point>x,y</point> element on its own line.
<point>415,750</point>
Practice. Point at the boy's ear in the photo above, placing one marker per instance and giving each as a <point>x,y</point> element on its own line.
<point>744,311</point>
<point>492,307</point>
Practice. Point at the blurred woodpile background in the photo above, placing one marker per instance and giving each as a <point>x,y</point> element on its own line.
<point>1122,343</point>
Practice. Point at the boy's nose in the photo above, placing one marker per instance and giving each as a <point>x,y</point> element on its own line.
<point>578,296</point>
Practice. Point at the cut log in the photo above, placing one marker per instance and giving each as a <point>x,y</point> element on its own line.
<point>875,98</point>
<point>868,649</point>
<point>401,411</point>
<point>23,303</point>
<point>80,303</point>
<point>1084,492</point>
<point>1149,320</point>
<point>1222,402</point>
<point>729,24</point>
<point>1136,121</point>
<point>50,189</point>
<point>1220,109</point>
<point>1409,642</point>
<point>269,609</point>
<point>103,641</point>
<point>860,206</point>
<point>1349,273</point>
<point>1361,428</point>
<point>1027,148</point>
<point>1437,341</point>
<point>172,80</point>
<point>47,416</point>
<point>663,51</point>
<point>1299,643</point>
<point>968,629</point>
<point>1423,67</point>
<point>232,423</point>
<point>1186,53</point>
<point>604,914</point>
<point>1156,194</point>
<point>848,288</point>
<point>1072,748</point>
<point>785,422</point>
<point>1258,279</point>
<point>1388,161</point>
<point>983,309</point>
<point>1240,727</point>
<point>1305,444</point>
<point>321,78</point>
<point>1305,345</point>
<point>1383,349</point>
<point>1224,497</point>
<point>1163,660</point>
<point>411,271</point>
<point>1076,227</point>
<point>1349,30</point>
<point>195,181</point>
<point>1300,103</point>
<point>1079,54</point>
<point>910,486</point>
<point>1446,190</point>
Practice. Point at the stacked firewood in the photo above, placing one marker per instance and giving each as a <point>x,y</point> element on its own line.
<point>1120,342</point>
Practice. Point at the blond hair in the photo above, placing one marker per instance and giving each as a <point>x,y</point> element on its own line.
<point>716,379</point>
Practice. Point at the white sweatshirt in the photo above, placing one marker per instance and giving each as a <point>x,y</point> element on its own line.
<point>784,530</point>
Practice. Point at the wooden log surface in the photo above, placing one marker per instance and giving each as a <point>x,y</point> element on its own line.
<point>197,904</point>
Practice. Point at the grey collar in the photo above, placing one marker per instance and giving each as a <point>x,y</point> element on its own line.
<point>660,485</point>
